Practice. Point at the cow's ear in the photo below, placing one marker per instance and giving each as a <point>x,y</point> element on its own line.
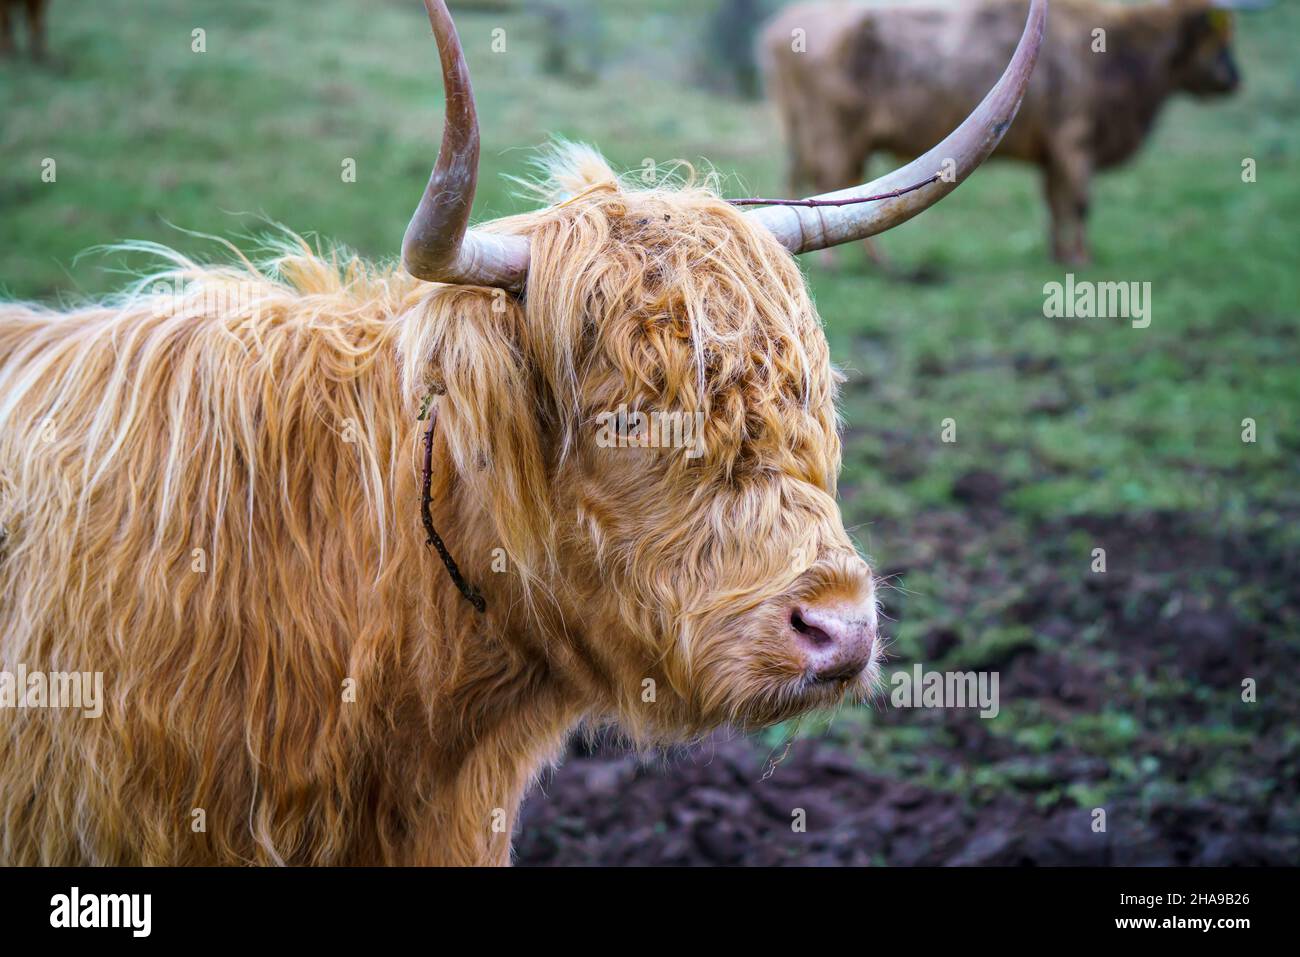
<point>1194,29</point>
<point>1221,23</point>
<point>464,346</point>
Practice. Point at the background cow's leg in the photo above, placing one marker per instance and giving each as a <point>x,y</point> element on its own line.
<point>36,27</point>
<point>799,167</point>
<point>6,30</point>
<point>880,260</point>
<point>875,255</point>
<point>834,169</point>
<point>1067,178</point>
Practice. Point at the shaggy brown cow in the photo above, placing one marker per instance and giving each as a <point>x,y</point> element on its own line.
<point>211,493</point>
<point>35,11</point>
<point>850,80</point>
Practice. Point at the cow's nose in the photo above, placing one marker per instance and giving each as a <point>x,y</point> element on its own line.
<point>839,641</point>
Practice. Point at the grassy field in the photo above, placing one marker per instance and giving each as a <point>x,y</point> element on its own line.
<point>1071,435</point>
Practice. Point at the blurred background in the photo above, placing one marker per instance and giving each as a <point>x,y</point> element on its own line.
<point>1120,691</point>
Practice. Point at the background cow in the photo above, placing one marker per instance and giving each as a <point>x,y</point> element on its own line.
<point>850,80</point>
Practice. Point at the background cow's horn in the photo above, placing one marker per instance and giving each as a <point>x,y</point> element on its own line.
<point>803,229</point>
<point>438,245</point>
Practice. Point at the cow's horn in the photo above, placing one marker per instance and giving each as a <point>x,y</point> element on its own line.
<point>803,229</point>
<point>438,245</point>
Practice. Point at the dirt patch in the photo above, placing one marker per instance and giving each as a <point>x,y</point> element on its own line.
<point>1122,696</point>
<point>715,807</point>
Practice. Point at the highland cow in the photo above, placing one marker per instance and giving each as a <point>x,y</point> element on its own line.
<point>213,488</point>
<point>850,80</point>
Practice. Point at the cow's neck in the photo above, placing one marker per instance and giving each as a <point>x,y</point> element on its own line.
<point>505,721</point>
<point>480,740</point>
<point>1133,82</point>
<point>498,700</point>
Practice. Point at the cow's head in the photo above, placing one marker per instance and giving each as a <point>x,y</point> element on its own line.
<point>1203,64</point>
<point>643,410</point>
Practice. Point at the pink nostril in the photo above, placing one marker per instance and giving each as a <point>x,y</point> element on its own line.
<point>816,636</point>
<point>838,643</point>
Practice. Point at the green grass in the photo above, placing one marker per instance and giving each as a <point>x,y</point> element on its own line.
<point>1085,418</point>
<point>1081,417</point>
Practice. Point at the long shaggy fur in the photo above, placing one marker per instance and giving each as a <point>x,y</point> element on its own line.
<point>209,491</point>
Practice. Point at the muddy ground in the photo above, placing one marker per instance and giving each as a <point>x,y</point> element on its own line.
<point>1119,691</point>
